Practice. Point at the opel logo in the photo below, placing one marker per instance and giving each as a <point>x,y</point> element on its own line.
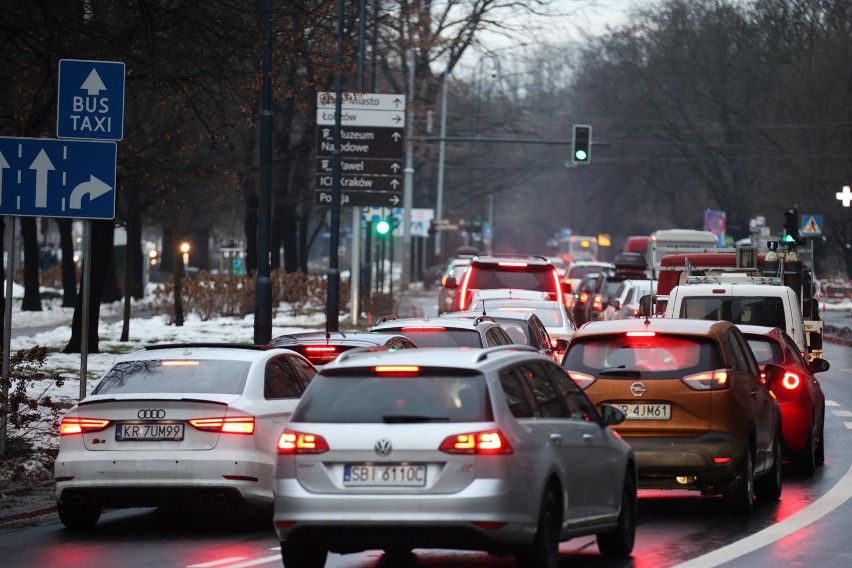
<point>638,389</point>
<point>383,447</point>
<point>149,413</point>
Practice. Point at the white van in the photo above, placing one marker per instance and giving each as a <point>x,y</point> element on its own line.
<point>675,241</point>
<point>741,303</point>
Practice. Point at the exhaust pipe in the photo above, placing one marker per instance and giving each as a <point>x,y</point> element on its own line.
<point>205,499</point>
<point>220,499</point>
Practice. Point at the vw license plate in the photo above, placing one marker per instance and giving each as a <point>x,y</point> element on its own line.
<point>149,431</point>
<point>647,411</point>
<point>385,475</point>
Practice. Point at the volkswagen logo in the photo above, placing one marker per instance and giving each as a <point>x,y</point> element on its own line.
<point>151,413</point>
<point>638,389</point>
<point>383,447</point>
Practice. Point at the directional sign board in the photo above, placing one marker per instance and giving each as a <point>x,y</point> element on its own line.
<point>90,100</point>
<point>371,148</point>
<point>45,177</point>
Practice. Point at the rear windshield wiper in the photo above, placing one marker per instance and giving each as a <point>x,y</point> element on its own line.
<point>412,418</point>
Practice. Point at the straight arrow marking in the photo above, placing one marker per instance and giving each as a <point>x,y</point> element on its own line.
<point>41,165</point>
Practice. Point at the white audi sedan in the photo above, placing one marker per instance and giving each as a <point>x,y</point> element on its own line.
<point>482,449</point>
<point>193,426</point>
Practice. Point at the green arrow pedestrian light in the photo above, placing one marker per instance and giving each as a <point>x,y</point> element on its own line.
<point>383,227</point>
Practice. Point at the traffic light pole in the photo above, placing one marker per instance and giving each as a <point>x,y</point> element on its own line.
<point>408,181</point>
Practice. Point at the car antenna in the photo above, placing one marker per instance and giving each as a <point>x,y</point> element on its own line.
<point>483,308</point>
<point>327,333</point>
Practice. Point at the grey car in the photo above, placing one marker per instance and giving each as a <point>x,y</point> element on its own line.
<point>480,449</point>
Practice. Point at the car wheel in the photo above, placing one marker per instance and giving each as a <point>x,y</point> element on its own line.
<point>739,495</point>
<point>768,487</point>
<point>77,517</point>
<point>819,453</point>
<point>300,554</point>
<point>543,552</point>
<point>805,461</point>
<point>619,542</point>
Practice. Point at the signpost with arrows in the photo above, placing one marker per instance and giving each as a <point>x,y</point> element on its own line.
<point>371,149</point>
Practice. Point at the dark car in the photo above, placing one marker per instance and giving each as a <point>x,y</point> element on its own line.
<point>582,297</point>
<point>321,347</point>
<point>480,332</point>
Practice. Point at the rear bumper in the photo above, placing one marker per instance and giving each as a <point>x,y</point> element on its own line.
<point>709,459</point>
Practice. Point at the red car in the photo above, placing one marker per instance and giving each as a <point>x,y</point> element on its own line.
<point>799,395</point>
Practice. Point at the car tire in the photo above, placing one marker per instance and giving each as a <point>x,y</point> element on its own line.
<point>543,552</point>
<point>768,486</point>
<point>739,494</point>
<point>301,554</point>
<point>805,461</point>
<point>618,543</point>
<point>78,518</point>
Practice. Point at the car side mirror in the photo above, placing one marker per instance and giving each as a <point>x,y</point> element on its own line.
<point>616,304</point>
<point>819,365</point>
<point>610,415</point>
<point>451,283</point>
<point>561,346</point>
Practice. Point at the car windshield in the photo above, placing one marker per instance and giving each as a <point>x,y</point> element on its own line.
<point>765,350</point>
<point>382,399</point>
<point>217,376</point>
<point>527,277</point>
<point>580,271</point>
<point>431,337</point>
<point>751,310</point>
<point>657,356</point>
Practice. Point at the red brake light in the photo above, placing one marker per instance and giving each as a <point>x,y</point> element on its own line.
<point>320,349</point>
<point>491,442</point>
<point>301,443</point>
<point>424,328</point>
<point>709,380</point>
<point>584,297</point>
<point>70,426</point>
<point>321,354</point>
<point>558,285</point>
<point>641,333</point>
<point>582,379</point>
<point>791,381</point>
<point>223,425</point>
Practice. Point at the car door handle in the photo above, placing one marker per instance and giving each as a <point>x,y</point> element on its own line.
<point>556,439</point>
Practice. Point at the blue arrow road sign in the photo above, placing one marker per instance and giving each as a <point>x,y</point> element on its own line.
<point>90,100</point>
<point>44,177</point>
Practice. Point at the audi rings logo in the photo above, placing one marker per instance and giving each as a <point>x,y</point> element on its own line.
<point>383,447</point>
<point>151,413</point>
<point>638,389</point>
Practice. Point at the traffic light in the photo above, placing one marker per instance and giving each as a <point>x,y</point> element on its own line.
<point>383,227</point>
<point>791,225</point>
<point>582,144</point>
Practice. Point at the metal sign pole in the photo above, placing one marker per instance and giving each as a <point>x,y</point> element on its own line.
<point>7,328</point>
<point>84,327</point>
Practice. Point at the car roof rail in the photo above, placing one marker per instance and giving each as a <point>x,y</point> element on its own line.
<point>388,317</point>
<point>483,355</point>
<point>250,346</point>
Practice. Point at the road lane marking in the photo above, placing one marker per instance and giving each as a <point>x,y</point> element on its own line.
<point>831,403</point>
<point>842,413</point>
<point>247,564</point>
<point>848,425</point>
<point>834,498</point>
<point>217,562</point>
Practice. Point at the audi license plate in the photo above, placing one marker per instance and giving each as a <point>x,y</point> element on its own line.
<point>148,431</point>
<point>385,475</point>
<point>647,411</point>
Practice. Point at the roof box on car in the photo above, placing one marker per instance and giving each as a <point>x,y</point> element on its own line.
<point>630,261</point>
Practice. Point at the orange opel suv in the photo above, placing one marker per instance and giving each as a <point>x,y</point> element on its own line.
<point>698,415</point>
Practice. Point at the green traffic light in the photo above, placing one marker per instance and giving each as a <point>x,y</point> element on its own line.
<point>382,227</point>
<point>580,155</point>
<point>789,239</point>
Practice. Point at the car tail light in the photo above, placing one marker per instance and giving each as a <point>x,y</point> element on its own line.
<point>321,353</point>
<point>791,381</point>
<point>597,305</point>
<point>709,380</point>
<point>179,363</point>
<point>490,442</point>
<point>70,426</point>
<point>397,370</point>
<point>584,297</point>
<point>225,425</point>
<point>513,264</point>
<point>641,333</point>
<point>462,297</point>
<point>558,285</point>
<point>583,380</point>
<point>424,328</point>
<point>291,442</point>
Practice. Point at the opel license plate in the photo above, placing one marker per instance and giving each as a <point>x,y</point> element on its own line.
<point>646,411</point>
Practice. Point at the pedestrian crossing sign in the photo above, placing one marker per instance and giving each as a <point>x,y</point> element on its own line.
<point>811,225</point>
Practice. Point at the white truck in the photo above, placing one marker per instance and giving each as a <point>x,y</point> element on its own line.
<point>745,296</point>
